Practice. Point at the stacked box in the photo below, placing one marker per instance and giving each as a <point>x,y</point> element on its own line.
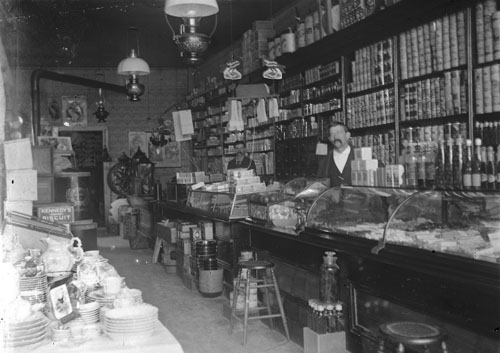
<point>364,167</point>
<point>254,45</point>
<point>166,232</point>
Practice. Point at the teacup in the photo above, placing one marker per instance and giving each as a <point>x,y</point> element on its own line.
<point>112,285</point>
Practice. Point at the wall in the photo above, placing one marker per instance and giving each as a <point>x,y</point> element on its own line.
<point>164,88</point>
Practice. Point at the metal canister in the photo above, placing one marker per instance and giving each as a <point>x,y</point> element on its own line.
<point>300,35</point>
<point>288,44</point>
<point>309,29</point>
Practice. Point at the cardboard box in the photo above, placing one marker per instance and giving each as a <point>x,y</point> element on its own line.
<point>184,226</point>
<point>363,153</point>
<point>207,229</point>
<point>56,212</point>
<point>25,207</point>
<point>167,232</point>
<point>222,230</point>
<point>45,189</point>
<point>22,185</point>
<point>324,343</point>
<point>43,160</point>
<point>195,234</point>
<point>18,155</point>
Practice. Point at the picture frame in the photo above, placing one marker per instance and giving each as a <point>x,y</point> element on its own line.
<point>60,144</point>
<point>74,110</point>
<point>173,151</point>
<point>137,139</point>
<point>61,303</point>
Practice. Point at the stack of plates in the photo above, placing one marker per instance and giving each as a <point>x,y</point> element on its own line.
<point>25,334</point>
<point>104,299</point>
<point>131,323</point>
<point>90,312</point>
<point>34,289</point>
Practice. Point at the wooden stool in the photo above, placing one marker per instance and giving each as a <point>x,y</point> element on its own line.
<point>411,334</point>
<point>260,270</point>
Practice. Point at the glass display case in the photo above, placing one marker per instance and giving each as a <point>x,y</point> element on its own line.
<point>223,204</point>
<point>459,223</point>
<point>357,211</point>
<point>288,207</point>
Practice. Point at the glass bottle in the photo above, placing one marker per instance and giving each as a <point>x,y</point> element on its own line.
<point>339,318</point>
<point>439,164</point>
<point>430,167</point>
<point>329,291</point>
<point>467,166</point>
<point>321,320</point>
<point>458,163</point>
<point>476,165</point>
<point>411,162</point>
<point>490,169</point>
<point>448,164</point>
<point>498,167</point>
<point>421,165</point>
<point>484,173</point>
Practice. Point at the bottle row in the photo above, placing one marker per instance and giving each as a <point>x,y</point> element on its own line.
<point>434,97</point>
<point>488,132</point>
<point>487,19</point>
<point>325,318</point>
<point>434,46</point>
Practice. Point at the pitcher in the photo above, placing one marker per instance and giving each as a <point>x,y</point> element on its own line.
<point>60,255</point>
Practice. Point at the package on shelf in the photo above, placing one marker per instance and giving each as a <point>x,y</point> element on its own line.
<point>183,226</point>
<point>241,173</point>
<point>22,185</point>
<point>184,178</point>
<point>246,181</point>
<point>363,153</point>
<point>167,232</point>
<point>219,186</point>
<point>25,207</point>
<point>246,189</point>
<point>394,175</point>
<point>364,164</point>
<point>199,177</point>
<point>18,154</point>
<point>216,177</point>
<point>195,234</point>
<point>207,229</point>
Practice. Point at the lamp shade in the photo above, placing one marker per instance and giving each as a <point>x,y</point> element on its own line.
<point>133,66</point>
<point>191,8</point>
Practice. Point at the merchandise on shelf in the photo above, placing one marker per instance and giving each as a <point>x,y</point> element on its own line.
<point>487,19</point>
<point>371,109</point>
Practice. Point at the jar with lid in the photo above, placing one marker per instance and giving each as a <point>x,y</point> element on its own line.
<point>300,34</point>
<point>329,291</point>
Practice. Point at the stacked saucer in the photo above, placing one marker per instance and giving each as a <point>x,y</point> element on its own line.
<point>99,296</point>
<point>26,334</point>
<point>132,323</point>
<point>34,289</point>
<point>61,334</point>
<point>90,313</point>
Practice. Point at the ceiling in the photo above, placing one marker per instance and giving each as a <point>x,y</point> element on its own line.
<point>99,33</point>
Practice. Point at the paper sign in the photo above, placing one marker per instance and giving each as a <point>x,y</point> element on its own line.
<point>321,149</point>
<point>186,121</point>
<point>179,136</point>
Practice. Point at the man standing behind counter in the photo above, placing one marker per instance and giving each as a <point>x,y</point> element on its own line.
<point>241,160</point>
<point>336,164</point>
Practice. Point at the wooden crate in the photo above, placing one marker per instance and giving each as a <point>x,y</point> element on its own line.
<point>43,160</point>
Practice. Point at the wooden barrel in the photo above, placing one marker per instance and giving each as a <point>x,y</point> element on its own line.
<point>210,283</point>
<point>74,187</point>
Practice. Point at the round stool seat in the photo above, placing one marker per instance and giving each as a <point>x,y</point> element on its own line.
<point>256,264</point>
<point>411,333</point>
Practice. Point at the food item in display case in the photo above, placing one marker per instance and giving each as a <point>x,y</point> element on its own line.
<point>283,214</point>
<point>258,204</point>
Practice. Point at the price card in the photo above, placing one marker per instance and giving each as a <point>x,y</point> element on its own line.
<point>321,149</point>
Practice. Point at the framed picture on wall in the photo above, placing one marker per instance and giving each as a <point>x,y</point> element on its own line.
<point>136,140</point>
<point>61,144</point>
<point>173,152</point>
<point>74,111</point>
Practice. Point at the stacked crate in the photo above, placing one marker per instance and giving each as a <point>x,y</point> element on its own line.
<point>21,177</point>
<point>254,46</point>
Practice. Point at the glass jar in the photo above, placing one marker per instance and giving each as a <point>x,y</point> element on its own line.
<point>329,289</point>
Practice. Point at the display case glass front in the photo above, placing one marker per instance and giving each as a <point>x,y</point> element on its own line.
<point>455,222</point>
<point>357,211</point>
<point>227,205</point>
<point>460,223</point>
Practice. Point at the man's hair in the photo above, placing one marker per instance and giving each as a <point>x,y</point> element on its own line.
<point>337,123</point>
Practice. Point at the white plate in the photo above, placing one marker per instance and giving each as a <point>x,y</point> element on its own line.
<point>25,332</point>
<point>25,341</point>
<point>133,312</point>
<point>34,320</point>
<point>130,330</point>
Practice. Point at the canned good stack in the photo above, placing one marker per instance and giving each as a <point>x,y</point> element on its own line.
<point>383,145</point>
<point>372,66</point>
<point>487,89</point>
<point>487,31</point>
<point>372,109</point>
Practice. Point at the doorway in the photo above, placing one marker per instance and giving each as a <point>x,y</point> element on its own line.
<point>88,144</point>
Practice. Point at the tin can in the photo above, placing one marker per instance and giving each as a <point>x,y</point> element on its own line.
<point>300,35</point>
<point>487,95</point>
<point>309,29</point>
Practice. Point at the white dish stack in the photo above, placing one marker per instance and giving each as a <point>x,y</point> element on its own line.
<point>133,323</point>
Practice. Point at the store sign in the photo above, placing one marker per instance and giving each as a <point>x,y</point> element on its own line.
<point>57,212</point>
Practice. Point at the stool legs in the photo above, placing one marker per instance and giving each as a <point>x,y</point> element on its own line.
<point>401,348</point>
<point>381,344</point>
<point>444,348</point>
<point>280,304</point>
<point>247,302</point>
<point>236,291</point>
<point>265,280</point>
